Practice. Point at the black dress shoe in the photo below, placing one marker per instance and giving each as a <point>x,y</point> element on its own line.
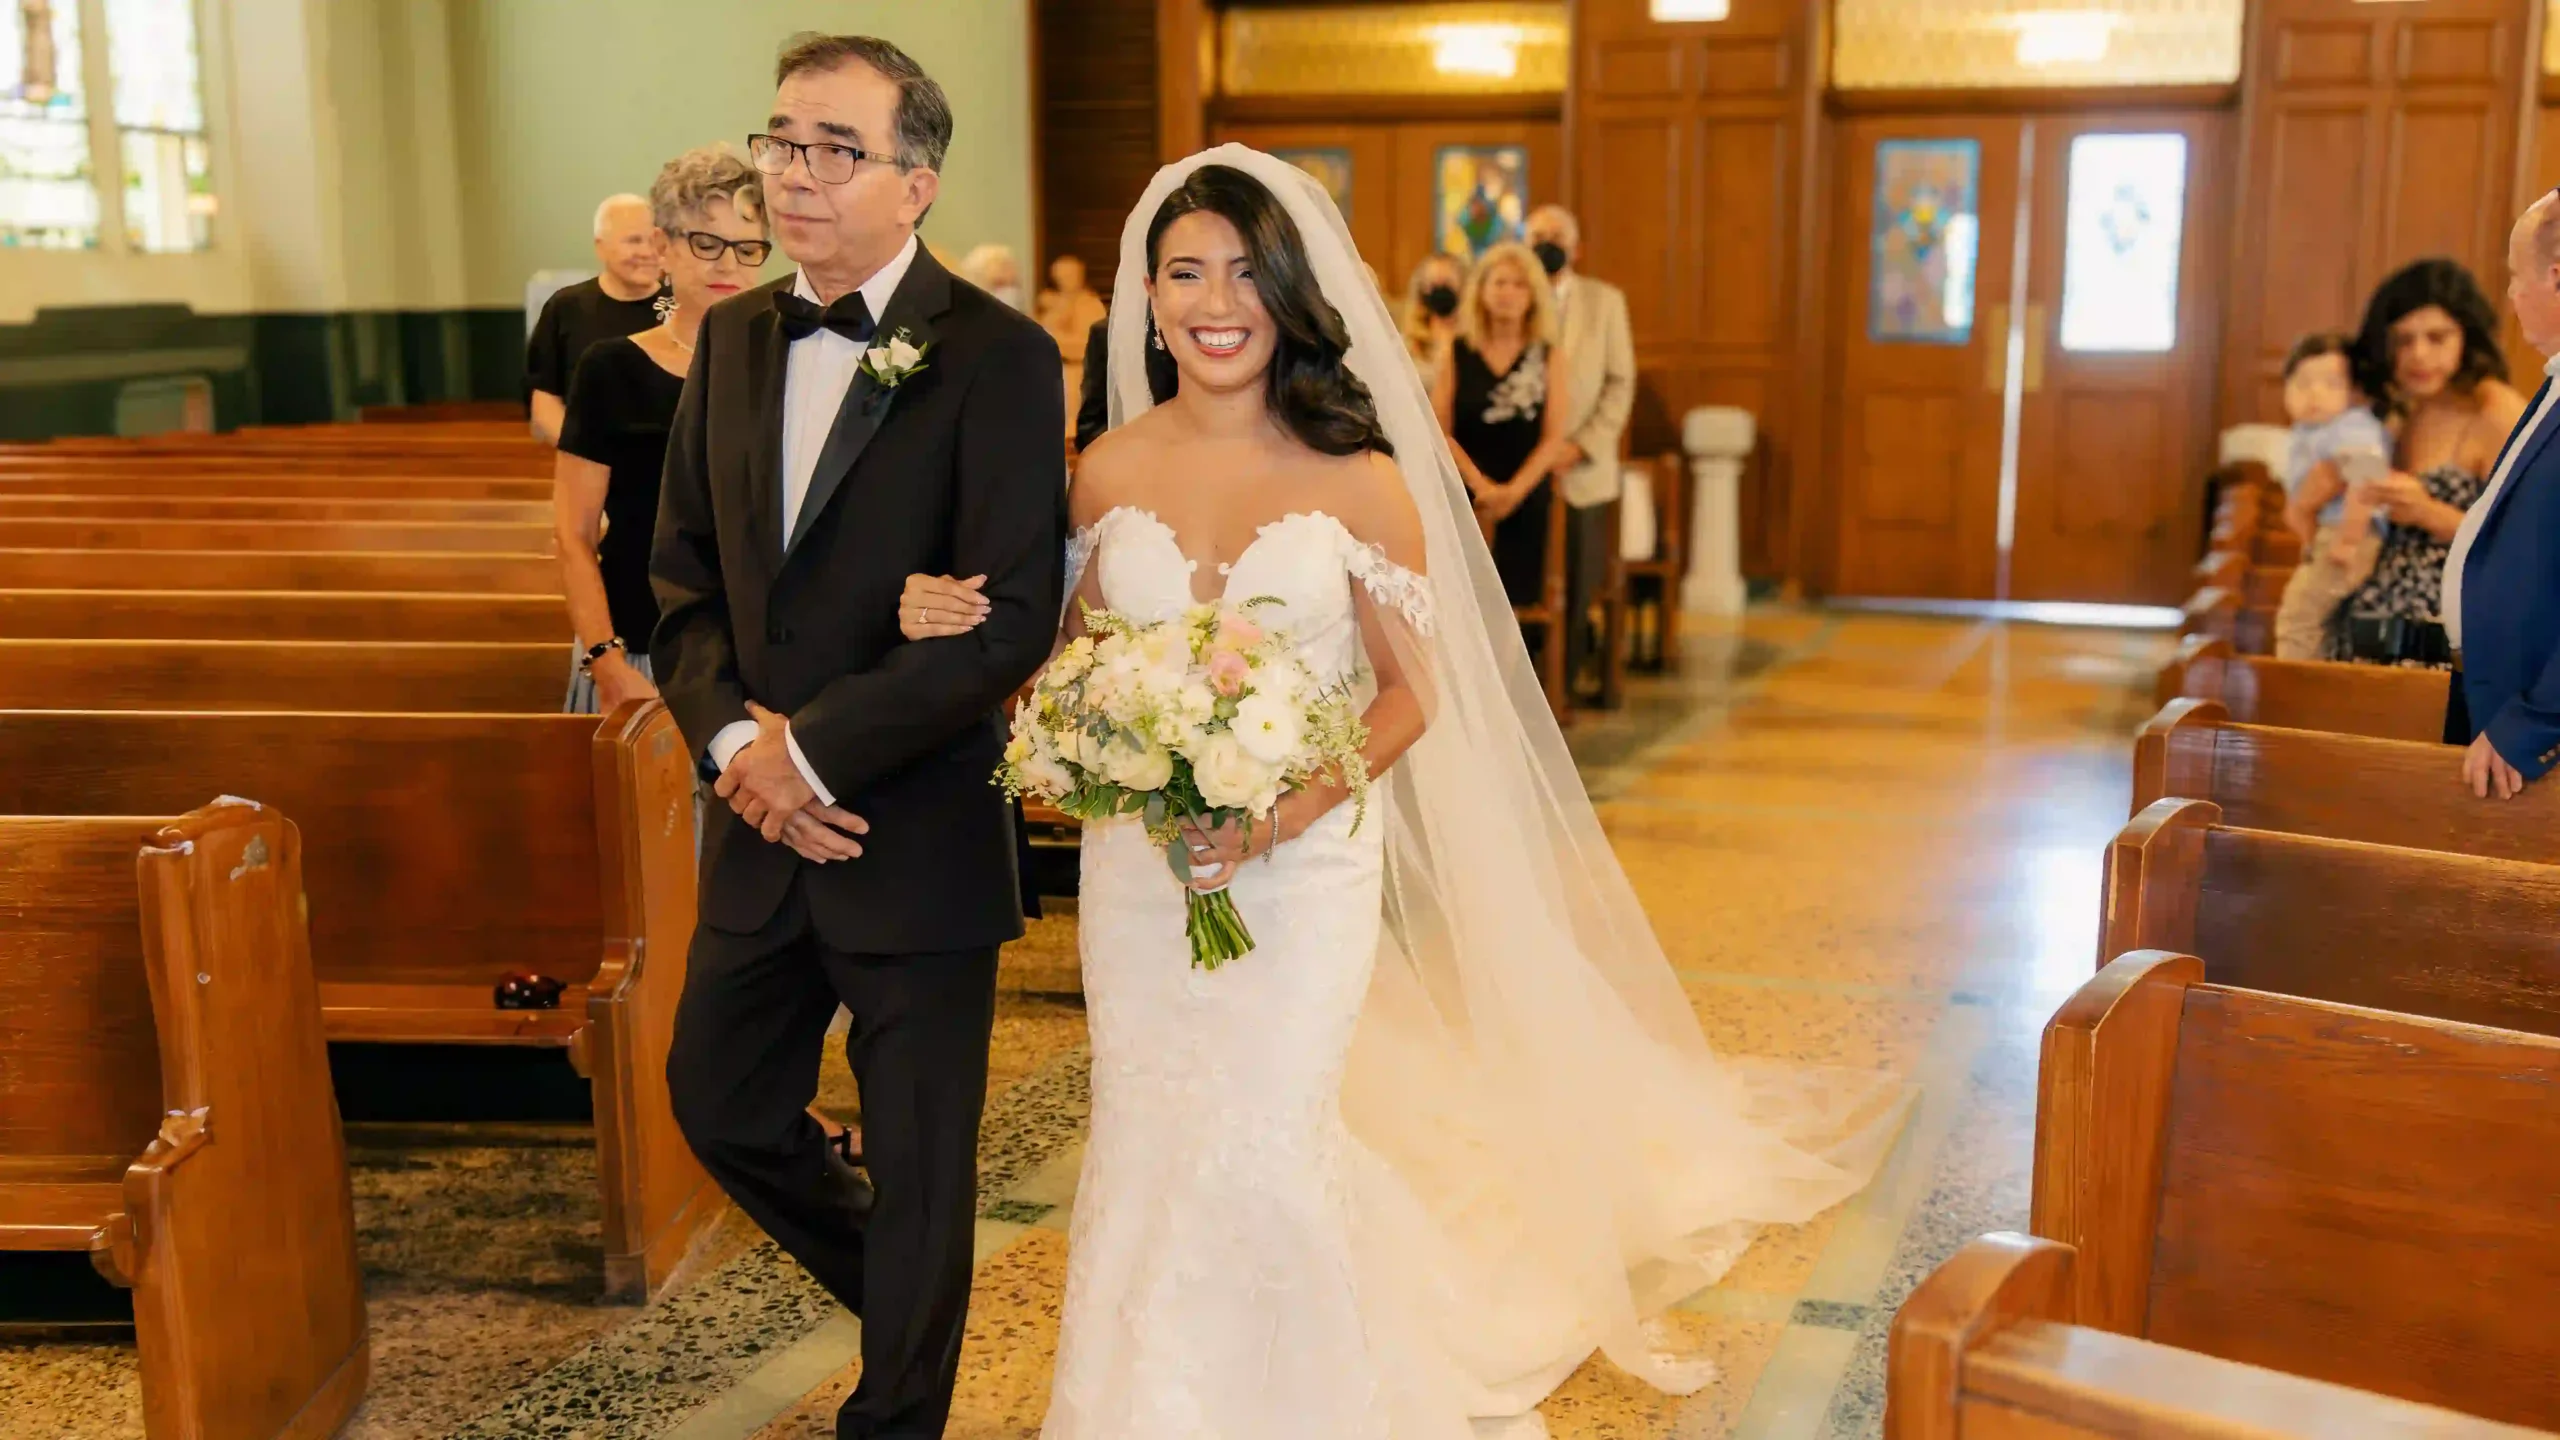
<point>845,1164</point>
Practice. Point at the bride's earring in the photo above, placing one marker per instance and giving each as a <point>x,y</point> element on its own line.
<point>1155,336</point>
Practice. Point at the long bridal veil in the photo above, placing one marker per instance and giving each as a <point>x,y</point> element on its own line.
<point>1551,1153</point>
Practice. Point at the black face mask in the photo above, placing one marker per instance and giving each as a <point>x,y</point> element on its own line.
<point>1551,255</point>
<point>1440,300</point>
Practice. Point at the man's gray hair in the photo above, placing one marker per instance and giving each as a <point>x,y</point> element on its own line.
<point>688,184</point>
<point>2546,229</point>
<point>1562,218</point>
<point>924,112</point>
<point>604,211</point>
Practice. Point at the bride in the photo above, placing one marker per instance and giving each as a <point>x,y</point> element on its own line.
<point>1452,1125</point>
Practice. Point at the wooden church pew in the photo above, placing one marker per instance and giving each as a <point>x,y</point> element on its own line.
<point>2384,701</point>
<point>389,676</point>
<point>2347,787</point>
<point>1985,1349</point>
<point>251,507</point>
<point>424,536</point>
<point>2342,1194</point>
<point>2456,937</point>
<point>274,485</point>
<point>165,1106</point>
<point>277,570</point>
<point>446,852</point>
<point>280,615</point>
<point>249,462</point>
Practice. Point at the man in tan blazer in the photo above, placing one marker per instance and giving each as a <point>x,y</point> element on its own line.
<point>1600,357</point>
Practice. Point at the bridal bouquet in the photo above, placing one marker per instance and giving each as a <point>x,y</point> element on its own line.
<point>1208,717</point>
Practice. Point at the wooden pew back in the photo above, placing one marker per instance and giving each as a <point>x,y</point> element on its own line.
<point>361,537</point>
<point>2454,937</point>
<point>277,570</point>
<point>2350,787</point>
<point>397,676</point>
<point>1985,1350</point>
<point>392,510</point>
<point>2337,1193</point>
<point>2384,701</point>
<point>258,484</point>
<point>280,615</point>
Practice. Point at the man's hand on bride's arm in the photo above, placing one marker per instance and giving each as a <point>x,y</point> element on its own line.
<point>933,607</point>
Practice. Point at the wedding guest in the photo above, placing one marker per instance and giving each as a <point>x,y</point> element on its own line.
<point>707,212</point>
<point>1430,318</point>
<point>1074,317</point>
<point>1093,386</point>
<point>621,300</point>
<point>1591,324</point>
<point>993,269</point>
<point>1503,397</point>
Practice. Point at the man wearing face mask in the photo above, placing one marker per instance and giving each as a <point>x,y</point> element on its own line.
<point>1599,347</point>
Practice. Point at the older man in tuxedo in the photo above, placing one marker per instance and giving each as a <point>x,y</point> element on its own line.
<point>2501,583</point>
<point>868,418</point>
<point>1599,352</point>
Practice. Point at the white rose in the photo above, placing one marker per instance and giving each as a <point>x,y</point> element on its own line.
<point>1142,770</point>
<point>877,357</point>
<point>1047,775</point>
<point>1228,776</point>
<point>1269,727</point>
<point>1076,750</point>
<point>902,354</point>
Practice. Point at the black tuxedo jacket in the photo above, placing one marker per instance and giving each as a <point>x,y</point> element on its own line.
<point>958,470</point>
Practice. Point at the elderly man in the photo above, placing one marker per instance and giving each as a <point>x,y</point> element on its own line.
<point>2501,595</point>
<point>1599,351</point>
<point>622,300</point>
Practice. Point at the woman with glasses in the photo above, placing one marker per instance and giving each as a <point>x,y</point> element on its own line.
<point>709,208</point>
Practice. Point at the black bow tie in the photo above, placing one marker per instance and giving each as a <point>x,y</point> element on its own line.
<point>801,317</point>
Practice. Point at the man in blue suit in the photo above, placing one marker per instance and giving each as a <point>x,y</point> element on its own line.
<point>2502,579</point>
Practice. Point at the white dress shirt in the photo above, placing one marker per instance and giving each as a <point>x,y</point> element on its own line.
<point>816,377</point>
<point>2449,601</point>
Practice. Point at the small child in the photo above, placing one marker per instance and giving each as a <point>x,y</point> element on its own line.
<point>2337,445</point>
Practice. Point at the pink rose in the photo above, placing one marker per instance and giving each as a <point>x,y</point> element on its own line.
<point>1235,632</point>
<point>1227,672</point>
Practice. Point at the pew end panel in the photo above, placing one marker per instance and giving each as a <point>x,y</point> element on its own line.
<point>2173,752</point>
<point>1984,1350</point>
<point>2364,1198</point>
<point>2102,1117</point>
<point>248,1288</point>
<point>657,1198</point>
<point>2196,668</point>
<point>2154,869</point>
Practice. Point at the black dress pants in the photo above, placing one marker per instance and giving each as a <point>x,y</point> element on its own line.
<point>743,1068</point>
<point>2457,713</point>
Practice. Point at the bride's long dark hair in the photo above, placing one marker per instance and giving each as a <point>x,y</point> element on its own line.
<point>1310,391</point>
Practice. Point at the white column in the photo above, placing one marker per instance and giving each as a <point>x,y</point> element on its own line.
<point>1718,440</point>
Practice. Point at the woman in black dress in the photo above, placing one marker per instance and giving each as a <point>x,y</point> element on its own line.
<point>1501,398</point>
<point>709,208</point>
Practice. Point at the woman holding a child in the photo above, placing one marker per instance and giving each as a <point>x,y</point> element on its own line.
<point>2428,352</point>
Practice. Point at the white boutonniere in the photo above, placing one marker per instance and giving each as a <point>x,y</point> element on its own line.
<point>890,362</point>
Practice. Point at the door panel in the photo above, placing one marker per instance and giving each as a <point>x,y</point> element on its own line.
<point>2117,384</point>
<point>1917,469</point>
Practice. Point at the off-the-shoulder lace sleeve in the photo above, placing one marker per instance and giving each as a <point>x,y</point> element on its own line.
<point>1080,548</point>
<point>1391,585</point>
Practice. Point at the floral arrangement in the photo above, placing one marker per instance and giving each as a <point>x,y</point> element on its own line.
<point>1208,718</point>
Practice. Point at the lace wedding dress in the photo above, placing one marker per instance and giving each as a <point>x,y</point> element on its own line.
<point>1212,1288</point>
<point>1453,1125</point>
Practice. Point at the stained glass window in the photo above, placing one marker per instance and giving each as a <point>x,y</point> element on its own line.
<point>1927,235</point>
<point>48,191</point>
<point>168,185</point>
<point>2123,225</point>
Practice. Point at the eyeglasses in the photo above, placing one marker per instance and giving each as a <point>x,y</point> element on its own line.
<point>828,164</point>
<point>707,246</point>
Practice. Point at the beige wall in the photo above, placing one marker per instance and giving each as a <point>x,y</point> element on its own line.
<point>558,111</point>
<point>428,154</point>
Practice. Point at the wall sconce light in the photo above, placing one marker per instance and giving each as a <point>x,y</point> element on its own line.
<point>2064,37</point>
<point>1673,12</point>
<point>1492,51</point>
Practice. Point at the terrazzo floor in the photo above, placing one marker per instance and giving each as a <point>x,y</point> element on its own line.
<point>1865,840</point>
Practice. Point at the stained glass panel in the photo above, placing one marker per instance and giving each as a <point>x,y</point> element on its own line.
<point>2124,222</point>
<point>1331,167</point>
<point>168,187</point>
<point>48,194</point>
<point>1927,234</point>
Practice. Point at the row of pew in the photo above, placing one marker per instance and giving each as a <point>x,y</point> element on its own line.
<point>2297,1142</point>
<point>2250,554</point>
<point>358,631</point>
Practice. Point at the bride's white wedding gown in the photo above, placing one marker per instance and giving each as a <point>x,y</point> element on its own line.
<point>1228,1273</point>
